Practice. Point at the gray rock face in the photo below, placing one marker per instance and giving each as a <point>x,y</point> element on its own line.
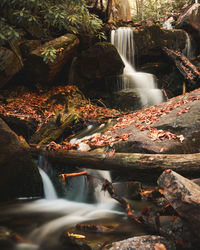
<point>129,190</point>
<point>146,242</point>
<point>183,195</point>
<point>19,176</point>
<point>179,116</point>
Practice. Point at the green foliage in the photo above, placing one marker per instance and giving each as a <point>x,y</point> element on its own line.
<point>52,15</point>
<point>7,32</point>
<point>49,54</point>
<point>157,9</point>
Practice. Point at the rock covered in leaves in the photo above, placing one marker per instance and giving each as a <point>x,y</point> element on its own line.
<point>146,242</point>
<point>170,127</point>
<point>19,176</point>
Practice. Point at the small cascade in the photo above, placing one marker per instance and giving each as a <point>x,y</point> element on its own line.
<point>188,51</point>
<point>144,83</point>
<point>61,214</point>
<point>49,190</point>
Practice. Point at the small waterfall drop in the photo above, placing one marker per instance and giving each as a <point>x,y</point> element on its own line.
<point>58,214</point>
<point>188,51</point>
<point>144,83</point>
<point>49,191</point>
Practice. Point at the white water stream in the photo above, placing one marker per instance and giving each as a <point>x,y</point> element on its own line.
<point>144,83</point>
<point>49,190</point>
<point>188,50</point>
<point>63,213</point>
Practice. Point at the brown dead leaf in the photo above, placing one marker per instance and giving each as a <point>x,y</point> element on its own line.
<point>159,246</point>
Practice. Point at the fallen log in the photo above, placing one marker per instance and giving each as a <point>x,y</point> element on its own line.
<point>53,129</point>
<point>138,166</point>
<point>187,69</point>
<point>184,196</point>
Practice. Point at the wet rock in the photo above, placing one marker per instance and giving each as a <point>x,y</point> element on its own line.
<point>183,195</point>
<point>150,40</point>
<point>95,63</point>
<point>19,176</point>
<point>190,20</point>
<point>125,100</point>
<point>178,229</point>
<point>73,243</point>
<point>9,65</point>
<point>129,190</point>
<point>7,241</point>
<point>39,71</point>
<point>146,242</point>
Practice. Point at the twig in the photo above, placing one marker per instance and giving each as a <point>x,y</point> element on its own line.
<point>63,176</point>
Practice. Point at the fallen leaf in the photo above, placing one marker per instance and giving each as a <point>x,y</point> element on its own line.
<point>159,246</point>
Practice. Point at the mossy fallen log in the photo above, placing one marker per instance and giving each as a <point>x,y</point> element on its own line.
<point>139,166</point>
<point>53,129</point>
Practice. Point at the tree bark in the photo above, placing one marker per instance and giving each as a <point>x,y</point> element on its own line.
<point>187,69</point>
<point>109,9</point>
<point>139,166</point>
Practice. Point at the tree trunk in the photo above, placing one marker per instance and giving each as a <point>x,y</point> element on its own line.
<point>184,196</point>
<point>109,9</point>
<point>187,69</point>
<point>139,166</point>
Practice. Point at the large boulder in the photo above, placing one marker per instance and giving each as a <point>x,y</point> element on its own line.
<point>190,20</point>
<point>19,176</point>
<point>170,127</point>
<point>146,242</point>
<point>95,63</point>
<point>183,195</point>
<point>9,65</point>
<point>150,40</point>
<point>39,71</point>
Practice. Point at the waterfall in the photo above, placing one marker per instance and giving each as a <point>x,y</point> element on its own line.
<point>144,83</point>
<point>62,214</point>
<point>188,50</point>
<point>49,190</point>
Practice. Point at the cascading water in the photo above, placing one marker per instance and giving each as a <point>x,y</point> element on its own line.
<point>61,214</point>
<point>144,83</point>
<point>188,50</point>
<point>49,191</point>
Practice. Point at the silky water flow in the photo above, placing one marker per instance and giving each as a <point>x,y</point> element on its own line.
<point>53,215</point>
<point>144,83</point>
